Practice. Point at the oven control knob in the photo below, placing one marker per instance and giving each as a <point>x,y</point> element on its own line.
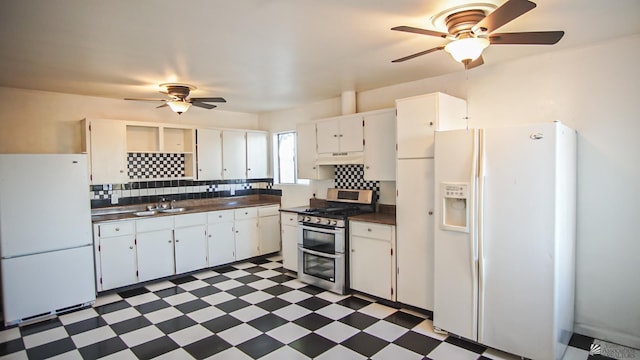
<point>318,220</point>
<point>334,222</point>
<point>308,219</point>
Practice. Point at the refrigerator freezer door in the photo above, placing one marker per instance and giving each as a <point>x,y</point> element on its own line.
<point>456,279</point>
<point>44,203</point>
<point>43,283</point>
<point>516,290</point>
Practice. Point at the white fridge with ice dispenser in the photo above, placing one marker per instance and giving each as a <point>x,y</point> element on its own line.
<point>45,235</point>
<point>505,237</point>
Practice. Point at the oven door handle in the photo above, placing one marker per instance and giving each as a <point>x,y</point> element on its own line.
<point>318,253</point>
<point>322,229</point>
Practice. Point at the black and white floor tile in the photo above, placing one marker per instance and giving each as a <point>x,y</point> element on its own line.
<point>251,310</point>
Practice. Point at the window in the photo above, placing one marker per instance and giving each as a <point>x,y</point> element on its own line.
<point>285,158</point>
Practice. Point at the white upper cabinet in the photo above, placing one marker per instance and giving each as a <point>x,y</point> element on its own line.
<point>419,116</point>
<point>306,154</point>
<point>257,155</point>
<point>380,146</point>
<point>338,135</point>
<point>234,154</point>
<point>209,154</point>
<point>105,141</point>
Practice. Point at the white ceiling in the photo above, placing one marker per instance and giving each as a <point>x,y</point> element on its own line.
<point>261,55</point>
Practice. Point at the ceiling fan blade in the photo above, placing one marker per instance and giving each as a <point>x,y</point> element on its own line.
<point>163,105</point>
<point>420,31</point>
<point>202,105</point>
<point>418,54</point>
<point>475,63</point>
<point>502,15</point>
<point>527,38</point>
<point>209,99</point>
<point>144,99</point>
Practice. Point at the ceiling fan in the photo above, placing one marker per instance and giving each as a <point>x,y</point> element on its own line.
<point>180,101</point>
<point>471,29</point>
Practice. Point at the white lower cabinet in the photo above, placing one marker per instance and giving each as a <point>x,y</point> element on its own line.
<point>372,259</point>
<point>221,242</point>
<point>154,241</point>
<point>155,254</point>
<point>246,233</point>
<point>131,251</point>
<point>190,242</point>
<point>269,229</point>
<point>115,255</point>
<point>289,235</point>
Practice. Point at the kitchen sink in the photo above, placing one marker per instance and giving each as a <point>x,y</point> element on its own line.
<point>145,213</point>
<point>174,210</point>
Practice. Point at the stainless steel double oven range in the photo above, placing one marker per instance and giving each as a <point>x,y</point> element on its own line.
<point>323,238</point>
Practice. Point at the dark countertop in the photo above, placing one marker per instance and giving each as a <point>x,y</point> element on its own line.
<point>192,206</point>
<point>380,218</point>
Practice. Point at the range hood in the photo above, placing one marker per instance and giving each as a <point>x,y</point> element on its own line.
<point>343,158</point>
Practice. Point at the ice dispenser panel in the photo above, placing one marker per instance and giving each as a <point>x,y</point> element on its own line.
<point>455,212</point>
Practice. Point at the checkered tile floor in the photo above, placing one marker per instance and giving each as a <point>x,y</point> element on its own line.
<point>252,310</point>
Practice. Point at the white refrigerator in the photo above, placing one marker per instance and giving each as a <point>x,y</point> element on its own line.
<point>505,237</point>
<point>45,235</point>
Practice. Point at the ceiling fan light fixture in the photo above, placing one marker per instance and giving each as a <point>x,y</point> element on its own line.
<point>179,106</point>
<point>466,49</point>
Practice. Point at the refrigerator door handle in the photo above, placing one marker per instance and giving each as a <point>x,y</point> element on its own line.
<point>479,231</point>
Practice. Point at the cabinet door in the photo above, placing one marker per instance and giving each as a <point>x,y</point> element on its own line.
<point>190,248</point>
<point>370,266</point>
<point>155,254</point>
<point>351,134</point>
<point>257,155</point>
<point>234,155</point>
<point>221,243</point>
<point>328,136</point>
<point>209,153</point>
<point>289,239</point>
<point>269,230</point>
<point>306,154</point>
<point>118,261</point>
<point>246,236</point>
<point>414,228</point>
<point>380,147</point>
<point>108,152</point>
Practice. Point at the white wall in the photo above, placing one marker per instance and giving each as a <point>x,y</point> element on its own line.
<point>594,90</point>
<point>46,122</point>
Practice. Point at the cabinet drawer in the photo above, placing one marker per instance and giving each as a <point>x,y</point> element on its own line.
<point>191,219</point>
<point>269,210</point>
<point>116,229</point>
<point>289,218</point>
<point>219,216</point>
<point>153,224</point>
<point>371,230</point>
<point>245,213</point>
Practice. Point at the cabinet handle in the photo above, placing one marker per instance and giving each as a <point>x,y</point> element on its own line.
<point>131,247</point>
<point>225,169</point>
<point>353,250</point>
<point>367,167</point>
<point>169,241</point>
<point>430,212</point>
<point>237,231</point>
<point>219,216</point>
<point>248,169</point>
<point>314,168</point>
<point>117,229</point>
<point>209,235</point>
<point>121,171</point>
<point>341,135</point>
<point>199,169</point>
<point>177,240</point>
<point>369,230</point>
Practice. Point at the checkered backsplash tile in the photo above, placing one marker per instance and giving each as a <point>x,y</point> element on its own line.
<point>155,166</point>
<point>352,177</point>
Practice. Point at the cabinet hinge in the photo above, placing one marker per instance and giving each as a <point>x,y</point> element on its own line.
<point>91,177</point>
<point>99,249</point>
<point>363,140</point>
<point>135,242</point>
<point>100,280</point>
<point>391,252</point>
<point>136,272</point>
<point>391,291</point>
<point>362,122</point>
<point>89,126</point>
